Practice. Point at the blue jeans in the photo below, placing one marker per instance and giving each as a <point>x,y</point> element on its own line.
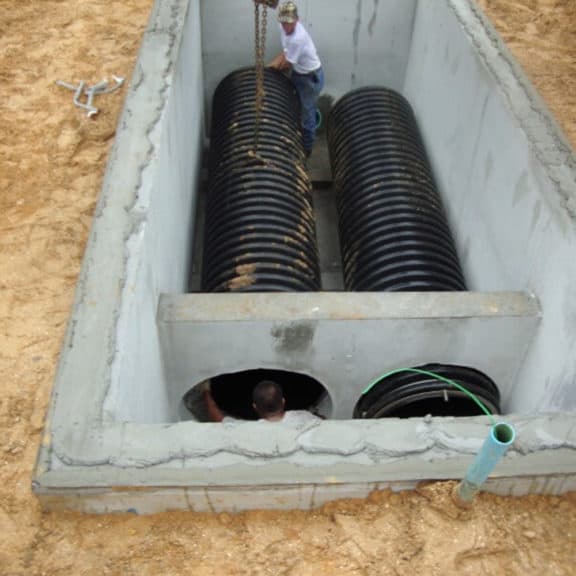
<point>308,87</point>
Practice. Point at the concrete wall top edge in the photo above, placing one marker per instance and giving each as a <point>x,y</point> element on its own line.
<point>344,305</point>
<point>326,452</point>
<point>167,16</point>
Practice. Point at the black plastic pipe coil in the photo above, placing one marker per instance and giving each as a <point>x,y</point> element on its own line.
<point>394,234</point>
<point>259,233</point>
<point>411,394</point>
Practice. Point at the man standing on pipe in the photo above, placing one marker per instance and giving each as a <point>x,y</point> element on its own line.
<point>300,57</point>
<point>268,402</point>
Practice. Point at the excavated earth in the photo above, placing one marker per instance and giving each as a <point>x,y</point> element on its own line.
<point>52,159</point>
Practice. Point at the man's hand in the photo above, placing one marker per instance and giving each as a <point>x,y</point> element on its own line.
<point>214,412</point>
<point>280,63</point>
<point>204,386</point>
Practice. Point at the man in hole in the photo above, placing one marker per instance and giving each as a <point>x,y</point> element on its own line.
<point>268,402</point>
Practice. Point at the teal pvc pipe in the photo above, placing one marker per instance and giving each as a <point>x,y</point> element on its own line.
<point>501,437</point>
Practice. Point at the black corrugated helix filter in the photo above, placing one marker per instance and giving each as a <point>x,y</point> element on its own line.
<point>259,226</point>
<point>413,394</point>
<point>393,231</point>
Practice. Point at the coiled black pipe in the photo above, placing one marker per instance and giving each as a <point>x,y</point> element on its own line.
<point>259,227</point>
<point>412,394</point>
<point>393,231</point>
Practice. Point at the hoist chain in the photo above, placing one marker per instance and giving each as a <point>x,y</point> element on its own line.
<point>259,50</point>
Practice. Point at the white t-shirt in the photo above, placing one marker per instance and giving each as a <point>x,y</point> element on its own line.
<point>292,418</point>
<point>300,50</point>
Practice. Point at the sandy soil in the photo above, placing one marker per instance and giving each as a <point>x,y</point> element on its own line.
<point>52,162</point>
<point>542,36</point>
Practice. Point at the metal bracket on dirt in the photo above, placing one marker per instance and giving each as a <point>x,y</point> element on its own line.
<point>90,91</point>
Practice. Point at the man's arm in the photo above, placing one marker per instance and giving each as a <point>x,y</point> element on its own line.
<point>214,412</point>
<point>280,62</point>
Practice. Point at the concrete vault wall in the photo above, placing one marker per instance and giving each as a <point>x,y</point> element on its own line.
<point>135,341</point>
<point>508,178</point>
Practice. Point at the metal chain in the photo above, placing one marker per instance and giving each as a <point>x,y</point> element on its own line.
<point>259,50</point>
<point>263,37</point>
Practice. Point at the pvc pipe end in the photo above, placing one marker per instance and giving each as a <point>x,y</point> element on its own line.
<point>503,434</point>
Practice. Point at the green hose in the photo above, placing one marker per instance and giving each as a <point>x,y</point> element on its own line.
<point>438,377</point>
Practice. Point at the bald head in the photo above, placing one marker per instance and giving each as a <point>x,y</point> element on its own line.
<point>268,399</point>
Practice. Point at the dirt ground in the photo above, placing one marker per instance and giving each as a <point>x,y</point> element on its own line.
<point>52,159</point>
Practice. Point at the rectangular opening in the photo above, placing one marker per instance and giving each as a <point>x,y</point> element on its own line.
<point>396,34</point>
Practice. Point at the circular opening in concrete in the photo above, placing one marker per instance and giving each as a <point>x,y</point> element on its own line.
<point>232,393</point>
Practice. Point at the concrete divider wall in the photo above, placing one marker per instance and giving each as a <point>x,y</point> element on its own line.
<point>343,340</point>
<point>509,183</point>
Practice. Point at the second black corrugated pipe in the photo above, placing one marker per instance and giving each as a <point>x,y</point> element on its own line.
<point>393,231</point>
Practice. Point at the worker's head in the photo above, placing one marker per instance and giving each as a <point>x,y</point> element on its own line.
<point>268,400</point>
<point>288,16</point>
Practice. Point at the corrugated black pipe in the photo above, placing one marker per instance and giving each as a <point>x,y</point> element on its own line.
<point>415,394</point>
<point>393,231</point>
<point>259,226</point>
